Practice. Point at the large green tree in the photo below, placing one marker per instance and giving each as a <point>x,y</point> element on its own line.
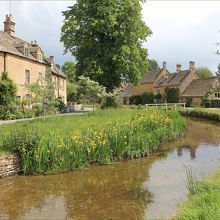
<point>69,68</point>
<point>153,65</point>
<point>106,38</point>
<point>204,72</point>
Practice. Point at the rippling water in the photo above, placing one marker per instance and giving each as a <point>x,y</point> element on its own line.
<point>146,188</point>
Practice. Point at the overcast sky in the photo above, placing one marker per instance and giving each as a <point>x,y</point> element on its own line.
<point>182,30</point>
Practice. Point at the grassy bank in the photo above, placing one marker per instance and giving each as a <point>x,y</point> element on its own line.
<point>59,144</point>
<point>204,200</point>
<point>202,113</point>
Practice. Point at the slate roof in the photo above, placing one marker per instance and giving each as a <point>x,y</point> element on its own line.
<point>10,45</point>
<point>173,79</point>
<point>199,87</point>
<point>128,90</point>
<point>150,76</point>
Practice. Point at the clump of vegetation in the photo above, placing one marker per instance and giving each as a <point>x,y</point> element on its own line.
<point>100,137</point>
<point>204,200</point>
<point>172,95</point>
<point>202,113</point>
<point>7,97</point>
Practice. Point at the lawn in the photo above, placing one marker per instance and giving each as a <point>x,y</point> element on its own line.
<point>204,200</point>
<point>64,143</point>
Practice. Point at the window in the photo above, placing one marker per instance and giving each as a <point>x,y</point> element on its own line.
<point>58,82</point>
<point>27,77</point>
<point>26,52</point>
<point>217,95</point>
<point>39,57</point>
<point>40,78</point>
<point>63,84</point>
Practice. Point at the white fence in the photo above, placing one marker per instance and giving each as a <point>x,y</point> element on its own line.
<point>166,105</point>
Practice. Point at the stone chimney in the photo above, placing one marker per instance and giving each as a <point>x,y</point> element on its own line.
<point>164,65</point>
<point>178,68</point>
<point>191,65</point>
<point>9,25</point>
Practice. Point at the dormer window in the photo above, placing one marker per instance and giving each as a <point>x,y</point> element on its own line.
<point>26,52</point>
<point>39,57</point>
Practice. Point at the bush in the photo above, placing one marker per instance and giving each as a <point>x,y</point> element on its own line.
<point>172,95</point>
<point>7,112</point>
<point>135,100</point>
<point>158,97</point>
<point>147,98</point>
<point>110,101</point>
<point>188,102</point>
<point>60,105</point>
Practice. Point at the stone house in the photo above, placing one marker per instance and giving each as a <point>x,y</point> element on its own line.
<point>199,88</point>
<point>150,80</point>
<point>187,81</point>
<point>25,62</point>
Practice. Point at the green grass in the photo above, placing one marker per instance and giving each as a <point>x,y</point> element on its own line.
<point>64,143</point>
<point>202,113</point>
<point>204,200</point>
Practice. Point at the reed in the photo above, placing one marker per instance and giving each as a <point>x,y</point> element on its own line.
<point>101,137</point>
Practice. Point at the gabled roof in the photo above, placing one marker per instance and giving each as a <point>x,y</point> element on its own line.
<point>11,44</point>
<point>173,79</point>
<point>128,90</point>
<point>150,76</point>
<point>199,87</point>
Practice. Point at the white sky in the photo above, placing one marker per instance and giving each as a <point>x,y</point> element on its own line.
<point>182,30</point>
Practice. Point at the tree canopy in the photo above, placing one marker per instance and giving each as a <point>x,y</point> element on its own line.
<point>69,68</point>
<point>106,38</point>
<point>153,65</point>
<point>204,72</point>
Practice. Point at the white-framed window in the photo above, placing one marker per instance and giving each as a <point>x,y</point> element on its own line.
<point>58,82</point>
<point>26,52</point>
<point>217,95</point>
<point>39,57</point>
<point>27,77</point>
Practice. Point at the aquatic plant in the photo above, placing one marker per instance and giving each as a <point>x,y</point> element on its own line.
<point>105,140</point>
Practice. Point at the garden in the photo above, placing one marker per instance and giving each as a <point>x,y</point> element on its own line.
<point>64,143</point>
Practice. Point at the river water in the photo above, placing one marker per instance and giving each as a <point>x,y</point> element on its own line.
<point>146,188</point>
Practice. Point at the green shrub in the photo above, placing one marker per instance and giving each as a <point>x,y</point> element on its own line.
<point>135,100</point>
<point>158,97</point>
<point>188,102</point>
<point>60,105</point>
<point>147,98</point>
<point>172,95</point>
<point>110,101</point>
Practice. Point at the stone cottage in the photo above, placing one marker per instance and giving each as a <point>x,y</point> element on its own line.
<point>25,62</point>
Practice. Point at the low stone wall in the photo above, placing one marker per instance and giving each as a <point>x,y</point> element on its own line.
<point>9,165</point>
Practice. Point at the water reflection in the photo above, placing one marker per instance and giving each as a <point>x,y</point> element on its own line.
<point>145,188</point>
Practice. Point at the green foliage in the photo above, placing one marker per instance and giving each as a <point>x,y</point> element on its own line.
<point>188,102</point>
<point>60,105</point>
<point>153,65</point>
<point>107,136</point>
<point>204,200</point>
<point>7,97</point>
<point>204,72</point>
<point>106,38</point>
<point>158,97</point>
<point>44,94</point>
<point>110,100</point>
<point>72,95</point>
<point>218,71</point>
<point>202,113</point>
<point>135,100</point>
<point>7,91</point>
<point>147,98</point>
<point>89,89</point>
<point>69,68</point>
<point>172,95</point>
